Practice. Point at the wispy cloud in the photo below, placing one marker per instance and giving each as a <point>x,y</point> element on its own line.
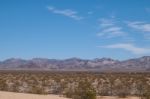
<point>65,12</point>
<point>109,29</point>
<point>142,26</point>
<point>128,47</point>
<point>106,22</point>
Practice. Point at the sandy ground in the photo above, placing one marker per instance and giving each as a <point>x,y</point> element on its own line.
<point>11,95</point>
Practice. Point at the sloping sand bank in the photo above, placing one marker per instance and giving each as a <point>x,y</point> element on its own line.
<point>12,95</point>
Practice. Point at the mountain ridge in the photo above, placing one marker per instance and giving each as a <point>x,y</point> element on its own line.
<point>97,64</point>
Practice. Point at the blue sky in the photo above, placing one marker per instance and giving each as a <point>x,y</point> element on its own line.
<point>118,29</point>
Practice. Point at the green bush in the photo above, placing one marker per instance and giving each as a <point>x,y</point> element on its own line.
<point>84,91</point>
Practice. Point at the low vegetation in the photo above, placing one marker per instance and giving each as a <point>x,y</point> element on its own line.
<point>77,85</point>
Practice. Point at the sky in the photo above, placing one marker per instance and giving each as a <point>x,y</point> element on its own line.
<point>60,29</point>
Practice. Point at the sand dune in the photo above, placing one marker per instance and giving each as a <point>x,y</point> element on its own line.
<point>12,95</point>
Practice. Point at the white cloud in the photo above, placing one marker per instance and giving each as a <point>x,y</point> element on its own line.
<point>109,29</point>
<point>66,12</point>
<point>128,47</point>
<point>142,26</point>
<point>106,22</point>
<point>112,29</point>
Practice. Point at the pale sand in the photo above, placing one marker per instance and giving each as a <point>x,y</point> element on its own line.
<point>12,95</point>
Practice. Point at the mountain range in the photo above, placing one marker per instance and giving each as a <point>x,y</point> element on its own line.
<point>77,64</point>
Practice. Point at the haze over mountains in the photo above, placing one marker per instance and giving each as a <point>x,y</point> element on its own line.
<point>73,64</point>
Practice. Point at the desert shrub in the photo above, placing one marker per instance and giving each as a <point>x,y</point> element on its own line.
<point>69,93</point>
<point>37,90</point>
<point>84,91</point>
<point>3,85</point>
<point>146,93</point>
<point>121,89</point>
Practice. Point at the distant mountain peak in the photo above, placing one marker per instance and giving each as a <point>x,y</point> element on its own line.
<point>98,64</point>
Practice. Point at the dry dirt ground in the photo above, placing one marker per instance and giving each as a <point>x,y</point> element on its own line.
<point>12,95</point>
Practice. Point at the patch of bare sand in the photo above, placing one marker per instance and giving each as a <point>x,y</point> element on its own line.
<point>12,95</point>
